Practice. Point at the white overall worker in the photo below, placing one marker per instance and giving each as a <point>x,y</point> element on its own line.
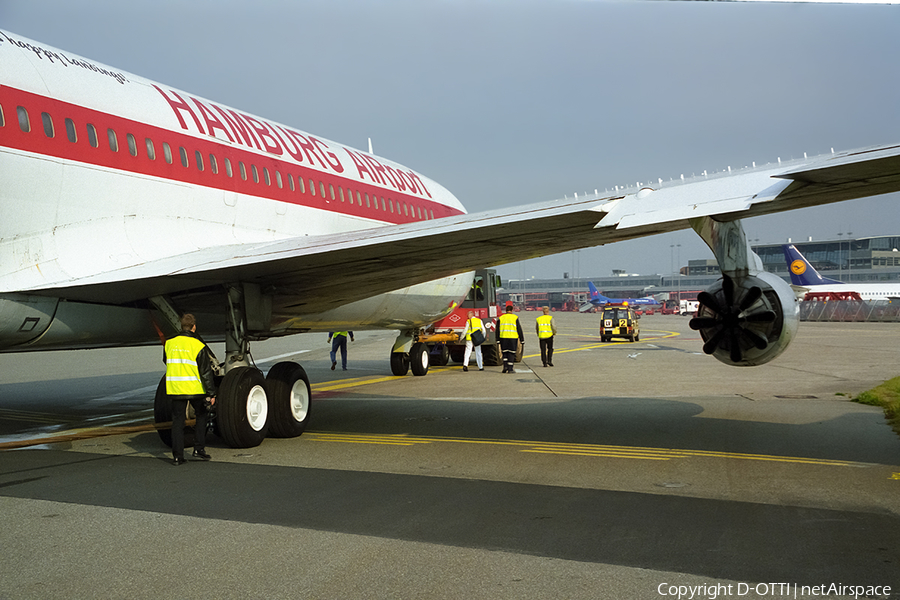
<point>510,335</point>
<point>546,329</point>
<point>472,325</point>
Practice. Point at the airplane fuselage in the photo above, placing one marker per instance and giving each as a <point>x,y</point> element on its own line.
<point>104,171</point>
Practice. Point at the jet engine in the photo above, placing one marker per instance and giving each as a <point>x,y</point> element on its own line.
<point>747,320</point>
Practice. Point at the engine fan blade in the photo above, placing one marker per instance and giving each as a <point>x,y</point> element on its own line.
<point>698,323</point>
<point>750,298</point>
<point>766,316</point>
<point>728,290</point>
<point>758,339</point>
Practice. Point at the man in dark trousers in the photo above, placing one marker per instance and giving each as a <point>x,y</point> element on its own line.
<point>339,343</point>
<point>510,335</point>
<point>189,379</point>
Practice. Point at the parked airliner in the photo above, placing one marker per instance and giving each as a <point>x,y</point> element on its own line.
<point>127,203</point>
<point>598,299</point>
<point>806,279</point>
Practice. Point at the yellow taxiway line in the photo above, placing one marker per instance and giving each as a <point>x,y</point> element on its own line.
<point>592,450</point>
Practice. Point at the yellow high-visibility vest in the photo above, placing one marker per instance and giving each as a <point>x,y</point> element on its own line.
<point>545,329</point>
<point>182,374</point>
<point>341,333</point>
<point>474,325</point>
<point>508,327</point>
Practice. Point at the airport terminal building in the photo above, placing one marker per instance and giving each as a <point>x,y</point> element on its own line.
<point>864,260</point>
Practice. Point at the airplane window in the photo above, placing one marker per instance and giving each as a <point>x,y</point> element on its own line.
<point>242,169</point>
<point>2,121</point>
<point>167,152</point>
<point>255,173</point>
<point>391,205</point>
<point>199,160</point>
<point>341,194</point>
<point>151,151</point>
<point>322,190</point>
<point>184,158</point>
<point>359,199</point>
<point>48,125</point>
<point>213,164</point>
<point>301,185</point>
<point>278,180</point>
<point>420,211</point>
<point>432,213</point>
<point>383,205</point>
<point>228,166</point>
<point>132,144</point>
<point>266,176</point>
<point>92,135</point>
<point>70,131</point>
<point>113,140</point>
<point>24,122</point>
<point>312,188</point>
<point>405,212</point>
<point>331,190</point>
<point>290,179</point>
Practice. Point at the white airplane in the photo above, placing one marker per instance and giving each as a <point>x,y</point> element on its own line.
<point>126,203</point>
<point>806,279</point>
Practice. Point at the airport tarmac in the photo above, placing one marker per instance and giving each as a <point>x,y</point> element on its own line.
<point>624,471</point>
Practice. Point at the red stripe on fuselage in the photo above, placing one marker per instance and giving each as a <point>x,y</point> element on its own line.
<point>399,207</point>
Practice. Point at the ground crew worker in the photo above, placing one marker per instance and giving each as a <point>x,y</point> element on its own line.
<point>546,329</point>
<point>472,325</point>
<point>510,335</point>
<point>340,341</point>
<point>189,378</point>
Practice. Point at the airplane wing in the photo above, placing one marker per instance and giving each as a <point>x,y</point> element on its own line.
<point>315,273</point>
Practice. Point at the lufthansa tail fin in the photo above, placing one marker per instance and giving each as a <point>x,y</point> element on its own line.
<point>802,272</point>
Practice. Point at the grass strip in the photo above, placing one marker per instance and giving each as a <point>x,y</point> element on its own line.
<point>887,396</point>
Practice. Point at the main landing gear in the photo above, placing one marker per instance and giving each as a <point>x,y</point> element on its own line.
<point>407,354</point>
<point>249,406</point>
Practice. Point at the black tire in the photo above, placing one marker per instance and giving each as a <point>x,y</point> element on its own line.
<point>457,353</point>
<point>440,355</point>
<point>418,359</point>
<point>243,408</point>
<point>399,363</point>
<point>520,352</point>
<point>162,417</point>
<point>491,355</point>
<point>287,387</point>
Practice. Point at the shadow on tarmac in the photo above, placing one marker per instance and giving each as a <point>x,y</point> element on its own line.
<point>721,539</point>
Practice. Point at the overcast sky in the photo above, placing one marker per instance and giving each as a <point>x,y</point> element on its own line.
<point>513,102</point>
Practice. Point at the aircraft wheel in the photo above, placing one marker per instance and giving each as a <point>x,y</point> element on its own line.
<point>162,416</point>
<point>418,359</point>
<point>243,408</point>
<point>399,363</point>
<point>520,351</point>
<point>288,391</point>
<point>637,337</point>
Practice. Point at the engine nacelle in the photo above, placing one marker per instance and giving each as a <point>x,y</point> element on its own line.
<point>747,321</point>
<point>24,318</point>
